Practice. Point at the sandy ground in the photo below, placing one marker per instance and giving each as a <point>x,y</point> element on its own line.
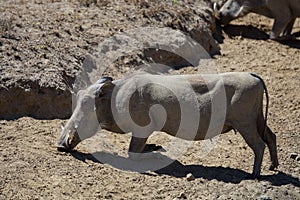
<point>31,168</point>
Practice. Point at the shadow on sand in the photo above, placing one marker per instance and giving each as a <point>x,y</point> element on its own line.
<point>250,32</point>
<point>245,31</point>
<point>179,170</point>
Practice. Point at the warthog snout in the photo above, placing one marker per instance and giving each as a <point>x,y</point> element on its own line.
<point>224,19</point>
<point>68,140</point>
<point>84,121</point>
<point>226,11</point>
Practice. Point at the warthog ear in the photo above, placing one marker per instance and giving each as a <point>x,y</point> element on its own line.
<point>104,80</point>
<point>105,90</point>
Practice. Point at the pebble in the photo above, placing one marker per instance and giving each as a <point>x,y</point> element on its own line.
<point>263,197</point>
<point>293,155</point>
<point>190,177</point>
<point>181,196</point>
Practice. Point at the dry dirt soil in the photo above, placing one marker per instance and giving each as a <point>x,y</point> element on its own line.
<point>31,168</point>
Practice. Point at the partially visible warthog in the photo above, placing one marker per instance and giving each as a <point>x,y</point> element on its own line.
<point>284,12</point>
<point>242,98</point>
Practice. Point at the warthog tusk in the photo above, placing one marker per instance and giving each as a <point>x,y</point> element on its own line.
<point>215,7</point>
<point>62,126</point>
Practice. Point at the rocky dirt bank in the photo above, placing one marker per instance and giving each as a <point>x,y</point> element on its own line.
<point>44,43</point>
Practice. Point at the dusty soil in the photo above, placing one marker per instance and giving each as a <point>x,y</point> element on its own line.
<point>31,168</point>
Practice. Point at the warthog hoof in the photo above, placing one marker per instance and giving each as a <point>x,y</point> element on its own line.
<point>151,147</point>
<point>63,149</point>
<point>273,167</point>
<point>253,177</point>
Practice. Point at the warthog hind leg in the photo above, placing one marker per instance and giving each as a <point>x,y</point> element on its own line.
<point>255,142</point>
<point>270,139</point>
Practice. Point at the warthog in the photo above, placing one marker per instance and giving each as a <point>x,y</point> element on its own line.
<point>129,105</point>
<point>284,12</point>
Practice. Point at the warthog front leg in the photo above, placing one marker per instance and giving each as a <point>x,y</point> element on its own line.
<point>137,145</point>
<point>281,26</point>
<point>138,149</point>
<point>288,30</point>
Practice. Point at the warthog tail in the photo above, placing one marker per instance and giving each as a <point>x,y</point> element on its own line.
<point>267,103</point>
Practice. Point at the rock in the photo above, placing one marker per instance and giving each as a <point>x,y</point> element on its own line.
<point>264,197</point>
<point>293,155</point>
<point>190,177</point>
<point>181,196</point>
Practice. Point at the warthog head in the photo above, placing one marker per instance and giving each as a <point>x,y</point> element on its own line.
<point>83,122</point>
<point>229,10</point>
